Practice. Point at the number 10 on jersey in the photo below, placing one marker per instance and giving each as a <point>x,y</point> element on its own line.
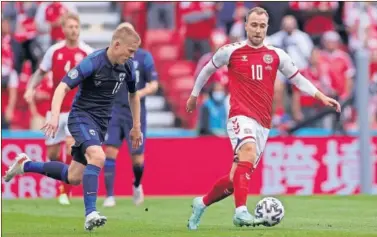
<point>257,72</point>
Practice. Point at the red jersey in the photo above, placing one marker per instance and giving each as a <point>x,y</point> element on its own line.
<point>60,59</point>
<point>53,12</point>
<point>252,73</point>
<point>201,29</point>
<point>337,66</point>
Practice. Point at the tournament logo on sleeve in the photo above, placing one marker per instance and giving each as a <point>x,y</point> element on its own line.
<point>73,74</point>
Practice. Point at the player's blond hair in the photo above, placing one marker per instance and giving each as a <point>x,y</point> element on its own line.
<point>258,11</point>
<point>124,31</point>
<point>126,24</point>
<point>71,16</point>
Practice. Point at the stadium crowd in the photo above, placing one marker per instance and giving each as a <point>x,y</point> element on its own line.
<point>321,38</point>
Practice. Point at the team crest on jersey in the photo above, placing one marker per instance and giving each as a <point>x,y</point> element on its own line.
<point>267,58</point>
<point>73,74</point>
<point>136,64</point>
<point>122,76</point>
<point>79,57</point>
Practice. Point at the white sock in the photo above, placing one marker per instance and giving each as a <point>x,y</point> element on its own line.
<point>241,209</point>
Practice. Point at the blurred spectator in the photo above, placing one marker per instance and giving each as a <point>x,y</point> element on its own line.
<point>161,15</point>
<point>237,31</point>
<point>228,13</point>
<point>53,16</point>
<point>338,66</point>
<point>25,47</point>
<point>305,106</point>
<point>9,77</point>
<point>373,87</point>
<point>361,21</point>
<point>295,42</point>
<point>221,75</point>
<point>276,12</point>
<point>213,113</point>
<point>199,18</point>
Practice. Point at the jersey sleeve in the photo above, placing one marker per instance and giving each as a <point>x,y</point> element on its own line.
<point>79,73</point>
<point>286,65</point>
<point>46,63</point>
<point>221,57</point>
<point>131,82</point>
<point>150,69</point>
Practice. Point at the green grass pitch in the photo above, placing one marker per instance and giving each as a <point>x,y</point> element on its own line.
<point>315,216</point>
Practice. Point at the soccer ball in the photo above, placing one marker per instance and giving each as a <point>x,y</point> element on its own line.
<point>271,210</point>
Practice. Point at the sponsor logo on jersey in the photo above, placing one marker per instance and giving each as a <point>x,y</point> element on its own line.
<point>73,74</point>
<point>244,58</point>
<point>122,76</point>
<point>267,58</point>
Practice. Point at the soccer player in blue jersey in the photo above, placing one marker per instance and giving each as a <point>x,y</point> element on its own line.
<point>121,124</point>
<point>99,77</point>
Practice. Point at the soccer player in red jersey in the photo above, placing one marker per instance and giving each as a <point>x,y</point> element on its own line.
<point>60,58</point>
<point>252,68</point>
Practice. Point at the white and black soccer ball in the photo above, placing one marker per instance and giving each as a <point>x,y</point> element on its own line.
<point>271,210</point>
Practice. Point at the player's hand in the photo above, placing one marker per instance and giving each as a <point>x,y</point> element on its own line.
<point>136,137</point>
<point>191,104</point>
<point>9,112</point>
<point>51,126</point>
<point>330,102</point>
<point>29,95</point>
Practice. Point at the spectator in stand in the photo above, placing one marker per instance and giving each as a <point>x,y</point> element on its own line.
<point>295,42</point>
<point>227,13</point>
<point>237,31</point>
<point>161,15</point>
<point>303,105</point>
<point>361,21</point>
<point>373,81</point>
<point>199,19</point>
<point>54,15</point>
<point>218,39</point>
<point>9,78</point>
<point>25,47</point>
<point>213,113</point>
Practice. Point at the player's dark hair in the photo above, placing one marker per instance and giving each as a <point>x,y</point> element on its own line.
<point>72,16</point>
<point>258,11</point>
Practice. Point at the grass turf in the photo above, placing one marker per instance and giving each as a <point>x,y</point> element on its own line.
<point>314,216</point>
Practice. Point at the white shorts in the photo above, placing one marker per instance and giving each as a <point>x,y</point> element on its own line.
<point>242,129</point>
<point>62,133</point>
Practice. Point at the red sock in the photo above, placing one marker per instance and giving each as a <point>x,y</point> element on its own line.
<point>222,189</point>
<point>241,181</point>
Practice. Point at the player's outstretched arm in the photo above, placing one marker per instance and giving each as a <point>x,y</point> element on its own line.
<point>51,126</point>
<point>219,59</point>
<point>34,81</point>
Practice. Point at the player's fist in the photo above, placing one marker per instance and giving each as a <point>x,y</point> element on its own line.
<point>191,104</point>
<point>28,96</point>
<point>136,137</point>
<point>51,126</point>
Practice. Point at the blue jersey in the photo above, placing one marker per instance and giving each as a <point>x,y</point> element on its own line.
<point>144,72</point>
<point>99,81</point>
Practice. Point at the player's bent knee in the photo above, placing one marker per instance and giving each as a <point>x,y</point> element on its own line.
<point>111,151</point>
<point>248,153</point>
<point>138,159</point>
<point>95,156</point>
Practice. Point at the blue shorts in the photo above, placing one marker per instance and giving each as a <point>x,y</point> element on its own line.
<point>119,129</point>
<point>86,133</point>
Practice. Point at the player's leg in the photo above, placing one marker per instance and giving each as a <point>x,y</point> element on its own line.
<point>137,156</point>
<point>64,188</point>
<point>113,141</point>
<point>248,149</point>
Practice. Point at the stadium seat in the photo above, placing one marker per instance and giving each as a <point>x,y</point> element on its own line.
<point>158,36</point>
<point>165,52</point>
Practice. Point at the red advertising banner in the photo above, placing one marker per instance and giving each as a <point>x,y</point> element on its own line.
<point>187,166</point>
